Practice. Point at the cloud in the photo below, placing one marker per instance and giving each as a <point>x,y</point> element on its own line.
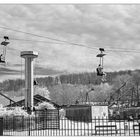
<point>46,71</point>
<point>7,71</point>
<point>108,26</point>
<point>15,72</point>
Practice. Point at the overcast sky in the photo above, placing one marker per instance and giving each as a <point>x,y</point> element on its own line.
<point>107,26</point>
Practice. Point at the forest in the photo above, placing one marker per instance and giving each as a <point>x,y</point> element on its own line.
<point>66,89</point>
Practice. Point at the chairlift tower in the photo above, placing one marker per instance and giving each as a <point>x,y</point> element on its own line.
<point>29,56</point>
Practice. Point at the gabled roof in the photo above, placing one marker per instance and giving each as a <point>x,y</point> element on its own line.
<point>37,99</point>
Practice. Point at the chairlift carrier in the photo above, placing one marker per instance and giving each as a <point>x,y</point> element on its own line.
<point>4,44</point>
<point>101,56</point>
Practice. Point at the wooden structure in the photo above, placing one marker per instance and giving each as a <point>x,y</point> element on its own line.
<point>37,99</point>
<point>10,100</point>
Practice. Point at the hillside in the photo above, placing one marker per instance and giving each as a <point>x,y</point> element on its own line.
<point>76,78</point>
<point>67,88</point>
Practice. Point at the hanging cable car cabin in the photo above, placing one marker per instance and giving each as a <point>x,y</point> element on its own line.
<point>99,69</point>
<point>4,44</point>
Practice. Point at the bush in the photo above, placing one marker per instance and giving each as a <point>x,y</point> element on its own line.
<point>16,118</point>
<point>10,112</point>
<point>46,111</point>
<point>62,113</point>
<point>45,105</point>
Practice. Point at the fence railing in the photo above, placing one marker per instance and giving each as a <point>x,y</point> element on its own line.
<point>56,126</point>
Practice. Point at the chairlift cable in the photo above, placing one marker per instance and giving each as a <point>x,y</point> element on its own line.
<point>63,41</point>
<point>35,73</point>
<point>111,50</point>
<point>41,36</point>
<point>21,79</point>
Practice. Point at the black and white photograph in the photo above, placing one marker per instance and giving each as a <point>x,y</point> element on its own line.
<point>70,69</point>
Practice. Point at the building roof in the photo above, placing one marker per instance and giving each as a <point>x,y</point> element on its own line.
<point>37,99</point>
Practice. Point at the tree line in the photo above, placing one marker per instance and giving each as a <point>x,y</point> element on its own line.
<point>85,78</point>
<point>66,89</point>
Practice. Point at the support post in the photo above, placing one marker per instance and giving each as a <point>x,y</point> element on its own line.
<point>139,129</point>
<point>1,126</point>
<point>139,123</point>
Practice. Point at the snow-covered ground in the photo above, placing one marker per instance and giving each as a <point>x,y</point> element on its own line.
<point>73,128</point>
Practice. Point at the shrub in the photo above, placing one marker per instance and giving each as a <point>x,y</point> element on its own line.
<point>46,111</point>
<point>62,113</point>
<point>45,105</point>
<point>16,118</point>
<point>10,112</point>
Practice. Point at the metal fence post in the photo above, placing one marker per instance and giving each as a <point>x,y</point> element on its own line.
<point>139,123</point>
<point>139,129</point>
<point>29,127</point>
<point>1,126</point>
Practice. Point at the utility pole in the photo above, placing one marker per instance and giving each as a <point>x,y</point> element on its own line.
<point>132,99</point>
<point>137,84</point>
<point>87,95</point>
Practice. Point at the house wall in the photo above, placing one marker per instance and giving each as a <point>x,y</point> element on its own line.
<point>79,113</point>
<point>99,111</point>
